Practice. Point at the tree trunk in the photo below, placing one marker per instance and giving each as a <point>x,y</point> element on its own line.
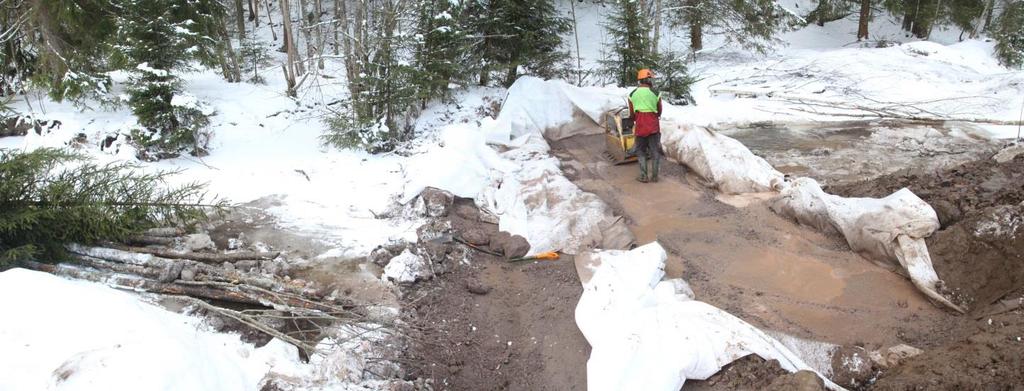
<point>865,16</point>
<point>319,9</point>
<point>292,63</point>
<point>304,21</point>
<point>240,20</point>
<point>696,26</point>
<point>657,26</point>
<point>270,21</point>
<point>339,18</point>
<point>254,11</point>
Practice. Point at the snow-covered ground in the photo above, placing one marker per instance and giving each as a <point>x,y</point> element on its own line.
<point>60,334</point>
<point>266,153</point>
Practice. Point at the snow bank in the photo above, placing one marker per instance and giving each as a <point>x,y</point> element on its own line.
<point>890,229</point>
<point>717,158</point>
<point>649,334</point>
<point>76,335</point>
<point>554,109</point>
<point>524,185</point>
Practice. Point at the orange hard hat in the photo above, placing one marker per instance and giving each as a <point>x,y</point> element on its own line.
<point>644,74</point>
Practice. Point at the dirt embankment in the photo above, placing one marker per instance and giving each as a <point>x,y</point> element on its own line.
<point>979,253</point>
<point>496,325</point>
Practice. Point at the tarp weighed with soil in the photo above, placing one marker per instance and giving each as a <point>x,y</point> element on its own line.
<point>882,229</point>
<point>650,334</point>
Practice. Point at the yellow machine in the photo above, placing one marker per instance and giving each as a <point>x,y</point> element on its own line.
<point>618,136</point>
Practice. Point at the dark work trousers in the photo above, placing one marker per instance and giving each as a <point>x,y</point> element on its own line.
<point>649,146</point>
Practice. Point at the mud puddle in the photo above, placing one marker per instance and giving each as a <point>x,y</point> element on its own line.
<point>843,152</point>
<point>774,274</point>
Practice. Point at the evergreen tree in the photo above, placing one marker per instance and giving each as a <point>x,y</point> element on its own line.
<point>752,24</point>
<point>630,47</point>
<point>156,40</point>
<point>1009,34</point>
<point>381,78</point>
<point>631,38</point>
<point>518,33</point>
<point>441,49</point>
<point>49,198</point>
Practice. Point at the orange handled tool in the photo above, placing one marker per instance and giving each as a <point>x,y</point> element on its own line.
<point>550,255</point>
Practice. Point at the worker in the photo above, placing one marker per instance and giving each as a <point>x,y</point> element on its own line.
<point>645,106</point>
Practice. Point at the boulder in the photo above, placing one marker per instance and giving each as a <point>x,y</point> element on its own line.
<point>497,242</point>
<point>516,247</point>
<point>798,381</point>
<point>407,268</point>
<point>380,256</point>
<point>437,202</point>
<point>196,242</point>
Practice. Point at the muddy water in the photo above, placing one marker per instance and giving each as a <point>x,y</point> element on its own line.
<point>754,264</point>
<point>844,152</point>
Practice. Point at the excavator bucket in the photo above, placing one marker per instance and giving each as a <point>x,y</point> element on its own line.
<point>618,135</point>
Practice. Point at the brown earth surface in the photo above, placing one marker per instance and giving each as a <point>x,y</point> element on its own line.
<point>979,254</point>
<point>498,325</point>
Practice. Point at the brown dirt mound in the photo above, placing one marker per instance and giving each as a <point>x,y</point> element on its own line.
<point>981,258</point>
<point>954,193</point>
<point>754,373</point>
<point>990,359</point>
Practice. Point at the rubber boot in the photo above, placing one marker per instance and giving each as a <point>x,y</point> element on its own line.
<point>654,169</point>
<point>643,169</point>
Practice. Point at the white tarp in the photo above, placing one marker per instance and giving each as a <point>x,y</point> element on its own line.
<point>890,229</point>
<point>649,334</point>
<point>524,185</point>
<point>717,158</point>
<point>552,108</point>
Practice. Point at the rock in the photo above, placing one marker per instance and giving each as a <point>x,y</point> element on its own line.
<point>477,288</point>
<point>188,274</point>
<point>437,202</point>
<point>467,211</point>
<point>274,268</point>
<point>516,247</point>
<point>799,381</point>
<point>476,236</point>
<point>1008,153</point>
<point>433,230</point>
<point>228,266</point>
<point>380,256</point>
<point>196,242</point>
<point>892,356</point>
<point>245,266</point>
<point>852,367</point>
<point>407,268</point>
<point>947,212</point>
<point>497,242</point>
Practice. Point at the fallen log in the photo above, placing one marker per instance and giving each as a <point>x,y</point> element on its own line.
<point>131,282</point>
<point>216,258</point>
<point>204,272</point>
<point>164,232</point>
<point>150,240</point>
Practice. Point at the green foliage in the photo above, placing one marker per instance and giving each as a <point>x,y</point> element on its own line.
<point>51,197</point>
<point>254,55</point>
<point>1009,35</point>
<point>630,34</point>
<point>673,79</point>
<point>71,40</point>
<point>442,49</point>
<point>630,47</point>
<point>345,131</point>
<point>518,33</point>
<point>157,38</point>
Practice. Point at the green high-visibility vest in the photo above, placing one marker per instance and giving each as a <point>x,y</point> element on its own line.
<point>644,100</point>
